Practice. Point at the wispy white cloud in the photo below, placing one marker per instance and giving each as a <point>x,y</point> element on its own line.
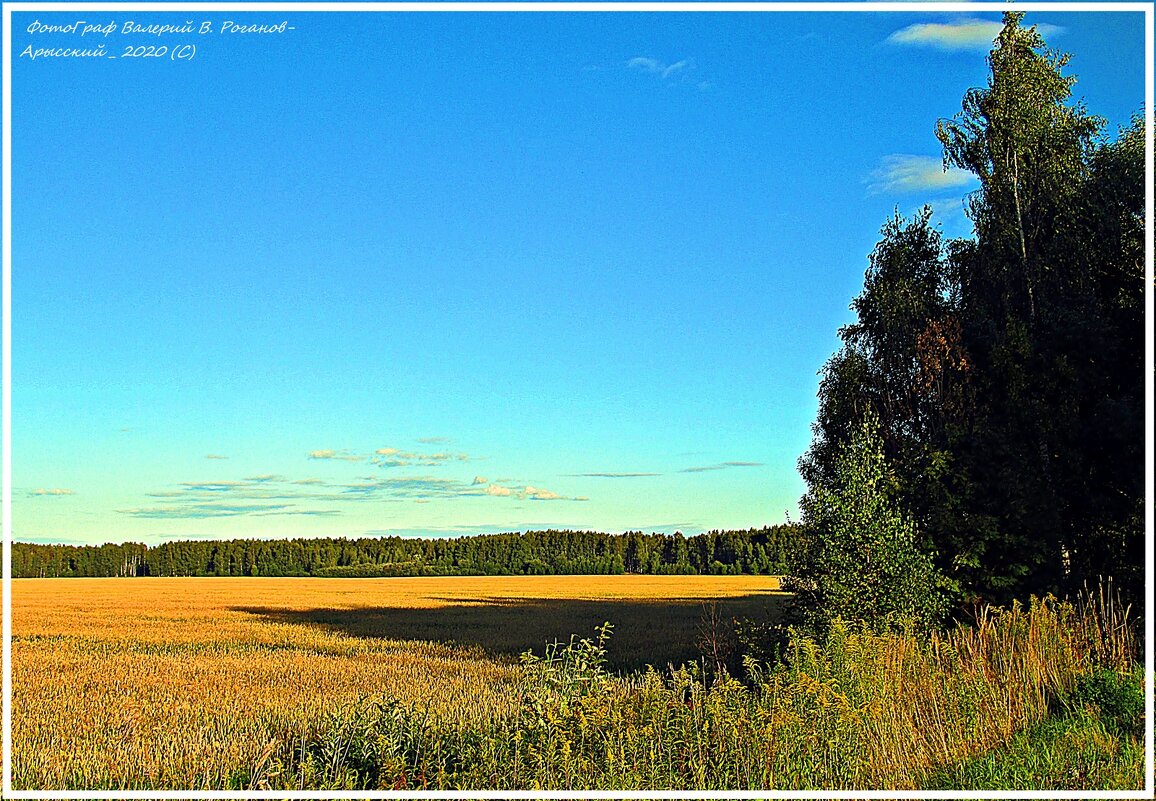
<point>391,463</point>
<point>902,172</point>
<point>302,513</point>
<point>612,475</point>
<point>539,494</point>
<point>53,492</point>
<point>395,457</point>
<point>215,456</point>
<point>199,511</point>
<point>214,486</point>
<point>719,466</point>
<point>360,489</point>
<point>266,494</point>
<point>344,456</point>
<point>408,488</point>
<point>663,70</point>
<point>528,492</point>
<point>960,34</point>
<point>271,494</point>
<point>645,64</point>
<point>434,440</point>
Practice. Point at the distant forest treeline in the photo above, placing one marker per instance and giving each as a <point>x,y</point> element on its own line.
<point>771,550</point>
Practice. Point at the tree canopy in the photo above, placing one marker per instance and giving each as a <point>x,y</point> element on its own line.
<point>1006,370</point>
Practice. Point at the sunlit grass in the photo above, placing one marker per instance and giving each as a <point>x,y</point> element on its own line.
<point>179,683</point>
<point>418,684</point>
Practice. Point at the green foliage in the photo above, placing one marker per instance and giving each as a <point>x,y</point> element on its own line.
<point>567,671</point>
<point>1116,700</point>
<point>866,564</point>
<point>1050,445</point>
<point>1074,752</point>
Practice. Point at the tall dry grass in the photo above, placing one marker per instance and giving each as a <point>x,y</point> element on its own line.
<point>863,710</point>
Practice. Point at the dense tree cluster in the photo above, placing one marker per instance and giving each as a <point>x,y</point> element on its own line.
<point>772,550</point>
<point>49,561</point>
<point>1006,370</point>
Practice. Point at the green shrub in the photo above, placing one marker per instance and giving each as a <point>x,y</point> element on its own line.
<point>867,564</point>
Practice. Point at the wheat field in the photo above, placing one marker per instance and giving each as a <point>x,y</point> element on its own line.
<point>176,683</point>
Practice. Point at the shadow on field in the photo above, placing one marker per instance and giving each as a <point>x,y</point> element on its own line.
<point>645,632</point>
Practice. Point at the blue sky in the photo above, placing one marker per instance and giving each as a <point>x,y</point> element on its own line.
<point>451,273</point>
